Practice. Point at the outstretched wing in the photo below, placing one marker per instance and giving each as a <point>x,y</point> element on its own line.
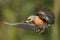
<point>47,15</point>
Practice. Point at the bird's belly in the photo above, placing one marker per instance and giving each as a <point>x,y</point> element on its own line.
<point>38,21</point>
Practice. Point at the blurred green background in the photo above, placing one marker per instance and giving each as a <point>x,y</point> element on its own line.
<point>18,10</point>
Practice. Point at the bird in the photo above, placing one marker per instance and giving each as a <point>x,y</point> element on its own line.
<point>43,19</point>
<point>39,22</point>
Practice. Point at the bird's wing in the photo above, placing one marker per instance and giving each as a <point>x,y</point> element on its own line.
<point>48,13</point>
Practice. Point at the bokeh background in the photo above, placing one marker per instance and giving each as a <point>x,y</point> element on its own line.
<point>18,10</point>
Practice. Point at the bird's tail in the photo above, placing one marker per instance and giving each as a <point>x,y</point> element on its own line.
<point>11,23</point>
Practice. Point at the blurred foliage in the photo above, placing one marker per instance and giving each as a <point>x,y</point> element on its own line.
<point>18,10</point>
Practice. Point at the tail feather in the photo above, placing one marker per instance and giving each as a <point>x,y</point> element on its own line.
<point>11,23</point>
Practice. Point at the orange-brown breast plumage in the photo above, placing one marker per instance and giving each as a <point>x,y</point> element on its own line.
<point>38,21</point>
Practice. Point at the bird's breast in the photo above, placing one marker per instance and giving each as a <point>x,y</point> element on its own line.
<point>38,21</point>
